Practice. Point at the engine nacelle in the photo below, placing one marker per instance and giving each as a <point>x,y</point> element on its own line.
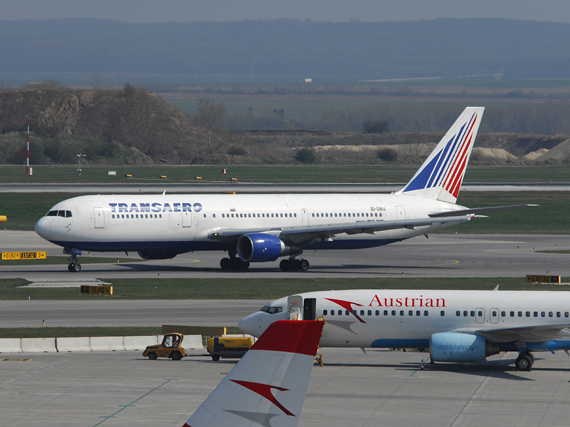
<point>457,347</point>
<point>157,254</point>
<point>261,247</point>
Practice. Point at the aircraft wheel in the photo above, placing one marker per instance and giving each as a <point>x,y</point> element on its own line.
<point>285,265</point>
<point>523,362</point>
<point>243,265</point>
<point>74,267</point>
<point>215,357</point>
<point>152,355</point>
<point>70,268</point>
<point>303,265</point>
<point>176,355</point>
<point>225,263</point>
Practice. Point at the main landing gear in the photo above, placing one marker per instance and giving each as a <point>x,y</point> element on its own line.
<point>233,263</point>
<point>293,264</point>
<point>525,361</point>
<point>74,266</point>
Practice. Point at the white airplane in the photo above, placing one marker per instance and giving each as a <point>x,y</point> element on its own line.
<point>264,227</point>
<point>268,385</point>
<point>456,326</point>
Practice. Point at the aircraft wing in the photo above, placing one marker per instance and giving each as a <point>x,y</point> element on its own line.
<point>268,385</point>
<point>540,333</point>
<point>308,233</point>
<point>476,211</point>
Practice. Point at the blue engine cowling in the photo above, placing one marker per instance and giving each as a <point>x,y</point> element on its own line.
<point>457,347</point>
<point>261,247</point>
<point>157,254</point>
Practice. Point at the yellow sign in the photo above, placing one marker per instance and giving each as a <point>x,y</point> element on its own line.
<point>23,255</point>
<point>107,290</point>
<point>543,279</point>
<point>3,218</point>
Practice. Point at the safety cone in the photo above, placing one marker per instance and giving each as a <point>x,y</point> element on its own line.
<point>422,367</point>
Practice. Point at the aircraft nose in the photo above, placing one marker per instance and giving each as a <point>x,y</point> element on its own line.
<point>43,227</point>
<point>247,324</point>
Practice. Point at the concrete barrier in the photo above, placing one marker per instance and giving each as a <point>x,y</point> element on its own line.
<point>192,342</point>
<point>10,345</point>
<point>107,344</point>
<point>38,345</point>
<point>140,343</point>
<point>73,344</point>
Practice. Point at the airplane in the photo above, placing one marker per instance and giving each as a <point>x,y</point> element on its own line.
<point>265,227</point>
<point>268,385</point>
<point>456,326</point>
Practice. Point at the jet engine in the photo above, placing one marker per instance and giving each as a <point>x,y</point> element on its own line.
<point>457,347</point>
<point>261,247</point>
<point>157,254</point>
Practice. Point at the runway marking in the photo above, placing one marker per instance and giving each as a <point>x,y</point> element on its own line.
<point>15,360</point>
<point>130,405</point>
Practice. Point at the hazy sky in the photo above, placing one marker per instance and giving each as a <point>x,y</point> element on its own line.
<point>317,10</point>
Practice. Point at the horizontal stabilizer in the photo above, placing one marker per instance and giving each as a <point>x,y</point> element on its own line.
<point>475,211</point>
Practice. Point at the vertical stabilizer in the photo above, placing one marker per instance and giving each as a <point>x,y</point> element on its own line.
<point>268,385</point>
<point>441,175</point>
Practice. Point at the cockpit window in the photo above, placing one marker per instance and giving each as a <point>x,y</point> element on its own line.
<point>61,213</point>
<point>52,213</point>
<point>272,310</point>
<point>68,214</point>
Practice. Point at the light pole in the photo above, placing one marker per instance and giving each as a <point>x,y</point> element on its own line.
<point>79,163</point>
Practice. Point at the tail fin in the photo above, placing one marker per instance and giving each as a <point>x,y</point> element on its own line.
<point>268,385</point>
<point>441,175</point>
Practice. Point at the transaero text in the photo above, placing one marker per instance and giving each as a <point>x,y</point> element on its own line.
<point>155,207</point>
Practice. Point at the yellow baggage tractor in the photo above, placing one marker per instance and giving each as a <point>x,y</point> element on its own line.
<point>170,347</point>
<point>228,346</point>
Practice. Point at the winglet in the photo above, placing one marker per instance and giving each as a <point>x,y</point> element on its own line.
<point>441,175</point>
<point>269,382</point>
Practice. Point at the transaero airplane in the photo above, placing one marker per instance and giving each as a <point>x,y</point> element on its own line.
<point>264,227</point>
<point>456,326</point>
<point>268,385</point>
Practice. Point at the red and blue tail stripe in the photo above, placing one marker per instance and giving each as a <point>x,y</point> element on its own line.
<point>442,173</point>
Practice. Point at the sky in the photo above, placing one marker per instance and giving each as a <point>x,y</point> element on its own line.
<point>142,11</point>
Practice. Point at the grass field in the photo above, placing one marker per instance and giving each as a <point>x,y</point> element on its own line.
<point>269,174</point>
<point>149,289</point>
<point>23,210</point>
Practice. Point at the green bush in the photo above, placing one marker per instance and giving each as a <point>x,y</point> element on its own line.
<point>306,155</point>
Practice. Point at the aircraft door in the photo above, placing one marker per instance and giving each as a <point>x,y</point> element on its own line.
<point>304,217</point>
<point>186,219</point>
<point>480,315</point>
<point>494,315</point>
<point>310,309</point>
<point>295,307</point>
<point>400,212</point>
<point>98,218</point>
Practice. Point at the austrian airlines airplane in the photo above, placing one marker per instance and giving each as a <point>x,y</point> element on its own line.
<point>264,227</point>
<point>268,385</point>
<point>456,326</point>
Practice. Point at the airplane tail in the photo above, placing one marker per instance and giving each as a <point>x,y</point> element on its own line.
<point>268,385</point>
<point>441,175</point>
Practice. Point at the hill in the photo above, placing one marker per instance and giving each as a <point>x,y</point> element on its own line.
<point>134,126</point>
<point>289,50</point>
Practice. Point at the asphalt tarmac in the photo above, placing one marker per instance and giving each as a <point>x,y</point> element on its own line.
<point>380,388</point>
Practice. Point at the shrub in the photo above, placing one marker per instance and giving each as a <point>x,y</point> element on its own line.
<point>387,154</point>
<point>306,155</point>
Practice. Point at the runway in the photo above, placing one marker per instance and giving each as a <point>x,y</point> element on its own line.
<point>442,255</point>
<point>380,388</point>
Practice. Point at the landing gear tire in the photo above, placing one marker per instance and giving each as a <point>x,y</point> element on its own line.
<point>293,264</point>
<point>233,264</point>
<point>74,267</point>
<point>524,362</point>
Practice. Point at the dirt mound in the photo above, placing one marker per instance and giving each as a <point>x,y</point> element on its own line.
<point>557,156</point>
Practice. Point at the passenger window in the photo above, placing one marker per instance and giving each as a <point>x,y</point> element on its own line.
<point>378,313</point>
<point>465,313</point>
<point>566,314</point>
<point>411,312</point>
<point>370,312</point>
<point>353,312</point>
<point>458,313</point>
<point>426,313</point>
<point>385,312</point>
<point>113,216</point>
<point>528,314</point>
<point>550,314</point>
<point>503,314</point>
<point>362,312</point>
<point>512,314</point>
<point>249,215</point>
<point>393,312</point>
<point>472,313</point>
<point>520,314</point>
<point>401,312</point>
<point>557,314</point>
<point>418,313</point>
<point>536,314</point>
<point>340,312</point>
<point>204,215</point>
<point>442,313</point>
<point>325,312</point>
<point>332,312</point>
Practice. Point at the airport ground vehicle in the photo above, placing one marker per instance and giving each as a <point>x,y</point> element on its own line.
<point>228,347</point>
<point>170,347</point>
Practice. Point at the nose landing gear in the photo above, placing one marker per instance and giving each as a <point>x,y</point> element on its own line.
<point>74,266</point>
